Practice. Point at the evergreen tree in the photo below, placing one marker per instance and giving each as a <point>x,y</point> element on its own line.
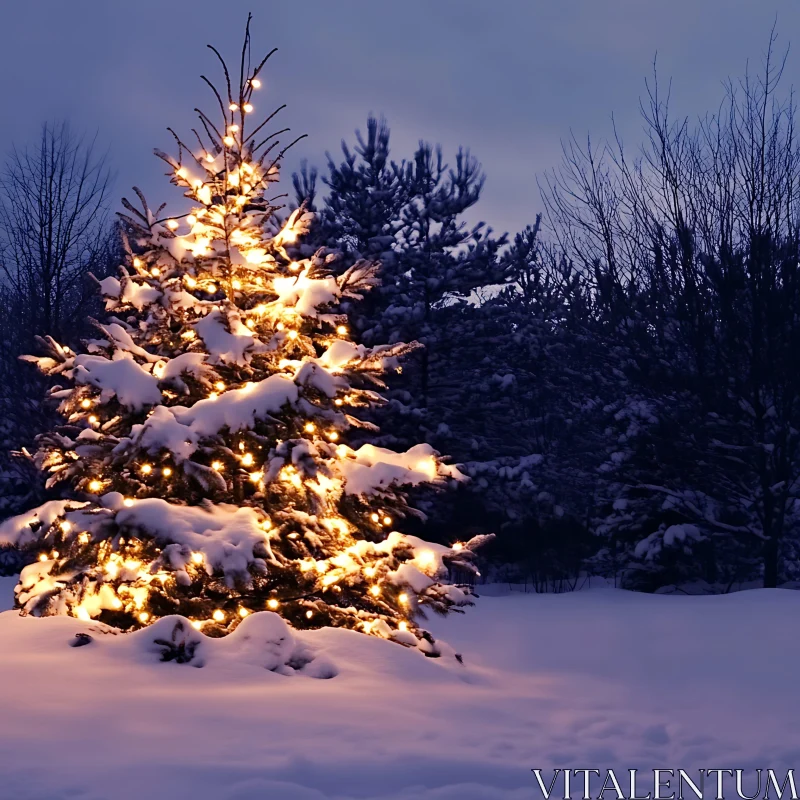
<point>360,217</point>
<point>440,258</point>
<point>203,461</point>
<point>527,384</point>
<point>364,199</point>
<point>409,214</point>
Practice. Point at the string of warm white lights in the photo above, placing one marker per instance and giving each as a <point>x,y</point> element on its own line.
<point>202,455</point>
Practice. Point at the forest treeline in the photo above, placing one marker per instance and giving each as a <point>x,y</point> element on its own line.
<point>620,380</point>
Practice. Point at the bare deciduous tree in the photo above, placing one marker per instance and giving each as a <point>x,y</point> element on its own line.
<point>54,230</point>
<point>694,250</point>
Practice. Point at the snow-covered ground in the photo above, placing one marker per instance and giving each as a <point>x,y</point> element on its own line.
<point>7,585</point>
<point>599,679</point>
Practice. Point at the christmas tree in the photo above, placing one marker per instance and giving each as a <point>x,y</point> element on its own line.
<point>203,460</point>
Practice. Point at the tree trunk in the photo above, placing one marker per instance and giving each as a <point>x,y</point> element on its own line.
<point>771,562</point>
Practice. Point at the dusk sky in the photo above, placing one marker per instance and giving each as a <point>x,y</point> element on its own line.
<point>509,78</point>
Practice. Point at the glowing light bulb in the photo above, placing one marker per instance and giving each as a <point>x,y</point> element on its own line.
<point>387,520</point>
<point>229,141</point>
<point>370,572</point>
<point>403,626</point>
<point>84,538</point>
<point>375,590</point>
<point>213,395</point>
<point>256,477</point>
<point>196,624</point>
<point>233,107</point>
<point>375,517</point>
<point>251,323</point>
<point>266,524</point>
<point>172,224</point>
<point>211,288</point>
<point>182,173</point>
<point>309,614</point>
<point>93,420</point>
<point>403,598</point>
<point>294,266</point>
<point>65,526</point>
<point>191,220</point>
<point>155,272</point>
<point>219,386</point>
<point>272,603</point>
<point>198,558</point>
<point>146,469</point>
<point>458,546</point>
<point>233,128</point>
<point>127,502</point>
<point>243,612</point>
<point>218,615</point>
<point>309,427</point>
<point>255,83</point>
<point>95,486</point>
<point>43,557</point>
<point>86,403</point>
<point>280,326</point>
<point>248,108</point>
<point>143,617</point>
<point>166,472</point>
<point>236,284</point>
<point>137,262</point>
<point>116,603</point>
<point>341,330</point>
<point>247,460</point>
<point>209,158</point>
<point>338,401</point>
<point>333,435</point>
<point>54,554</point>
<point>292,334</point>
<point>217,465</point>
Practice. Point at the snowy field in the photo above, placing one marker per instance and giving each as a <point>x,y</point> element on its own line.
<point>600,678</point>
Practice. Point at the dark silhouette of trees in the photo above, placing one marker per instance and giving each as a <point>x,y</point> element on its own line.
<point>54,231</point>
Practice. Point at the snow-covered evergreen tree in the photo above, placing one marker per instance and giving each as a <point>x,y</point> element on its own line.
<point>409,214</point>
<point>519,391</point>
<point>203,461</point>
<point>365,197</point>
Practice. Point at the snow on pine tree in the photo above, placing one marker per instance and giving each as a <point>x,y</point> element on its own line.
<point>203,459</point>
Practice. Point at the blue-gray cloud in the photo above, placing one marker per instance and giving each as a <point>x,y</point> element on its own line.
<point>508,78</point>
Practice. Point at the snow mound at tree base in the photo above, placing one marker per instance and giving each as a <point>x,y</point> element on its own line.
<point>261,640</point>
